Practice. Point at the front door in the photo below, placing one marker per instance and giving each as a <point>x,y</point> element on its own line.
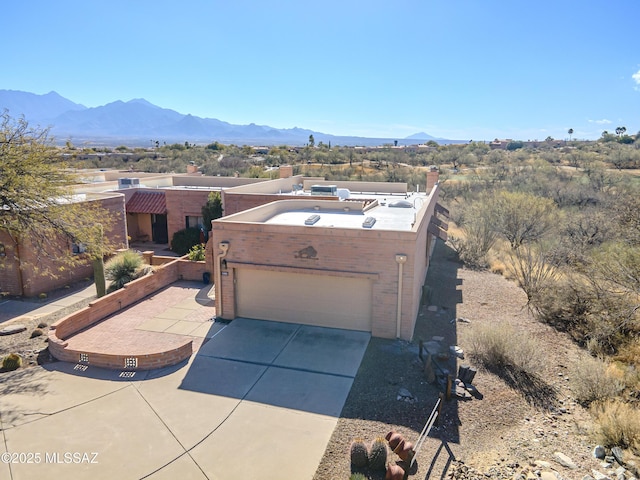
<point>159,230</point>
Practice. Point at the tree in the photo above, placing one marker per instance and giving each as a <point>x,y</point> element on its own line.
<point>620,130</point>
<point>312,141</point>
<point>570,132</point>
<point>38,206</point>
<point>212,209</point>
<point>521,217</point>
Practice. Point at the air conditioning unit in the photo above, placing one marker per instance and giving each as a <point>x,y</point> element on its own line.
<point>128,182</point>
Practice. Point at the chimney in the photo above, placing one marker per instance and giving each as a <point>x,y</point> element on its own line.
<point>432,178</point>
<point>192,168</point>
<point>286,171</point>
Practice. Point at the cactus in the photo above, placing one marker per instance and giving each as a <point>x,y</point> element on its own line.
<point>359,453</point>
<point>357,476</point>
<point>13,361</point>
<point>378,454</point>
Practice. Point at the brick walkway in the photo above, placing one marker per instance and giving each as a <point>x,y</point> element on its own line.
<point>158,323</point>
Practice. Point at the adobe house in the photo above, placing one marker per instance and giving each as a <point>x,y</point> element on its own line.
<point>20,262</point>
<point>356,263</point>
<point>157,206</point>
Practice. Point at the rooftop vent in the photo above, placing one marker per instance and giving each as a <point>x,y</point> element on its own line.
<point>401,204</point>
<point>312,220</point>
<point>368,222</point>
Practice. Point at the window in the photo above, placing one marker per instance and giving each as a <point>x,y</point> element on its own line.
<point>193,221</point>
<point>78,248</point>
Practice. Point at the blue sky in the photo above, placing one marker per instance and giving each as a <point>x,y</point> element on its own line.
<point>461,69</point>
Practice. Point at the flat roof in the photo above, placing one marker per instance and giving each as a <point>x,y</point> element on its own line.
<point>387,213</point>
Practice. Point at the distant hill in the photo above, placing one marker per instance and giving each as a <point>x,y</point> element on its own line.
<point>421,136</point>
<point>138,122</point>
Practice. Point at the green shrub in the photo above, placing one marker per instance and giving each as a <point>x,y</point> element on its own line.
<point>13,361</point>
<point>183,240</point>
<point>122,269</point>
<point>197,253</point>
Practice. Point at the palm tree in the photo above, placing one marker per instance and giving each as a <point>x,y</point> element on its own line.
<point>570,132</point>
<point>620,130</point>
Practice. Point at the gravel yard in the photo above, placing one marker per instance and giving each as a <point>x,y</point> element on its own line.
<point>509,428</point>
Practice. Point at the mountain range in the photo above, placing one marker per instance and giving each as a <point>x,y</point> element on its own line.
<point>138,122</point>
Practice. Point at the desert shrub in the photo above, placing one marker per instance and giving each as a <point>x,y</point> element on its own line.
<point>529,266</point>
<point>499,346</point>
<point>42,325</point>
<point>183,240</point>
<point>592,381</point>
<point>478,236</point>
<point>618,424</point>
<point>122,269</point>
<point>197,253</point>
<point>13,361</point>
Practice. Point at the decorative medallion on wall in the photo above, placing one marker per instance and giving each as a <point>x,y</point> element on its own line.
<point>308,253</point>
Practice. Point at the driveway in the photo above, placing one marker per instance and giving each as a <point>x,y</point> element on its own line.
<point>258,400</point>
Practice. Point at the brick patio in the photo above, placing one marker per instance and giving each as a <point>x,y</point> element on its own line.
<point>157,323</point>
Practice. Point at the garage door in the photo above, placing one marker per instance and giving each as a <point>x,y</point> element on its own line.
<point>322,300</point>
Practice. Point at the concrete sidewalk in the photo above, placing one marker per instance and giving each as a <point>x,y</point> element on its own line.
<point>259,400</point>
<point>33,308</point>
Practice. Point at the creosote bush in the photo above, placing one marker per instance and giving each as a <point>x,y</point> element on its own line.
<point>499,346</point>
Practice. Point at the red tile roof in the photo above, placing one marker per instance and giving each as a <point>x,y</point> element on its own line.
<point>147,202</point>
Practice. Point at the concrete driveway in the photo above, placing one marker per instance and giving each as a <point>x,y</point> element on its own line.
<point>258,400</point>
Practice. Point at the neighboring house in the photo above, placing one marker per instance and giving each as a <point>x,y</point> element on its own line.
<point>357,264</point>
<point>22,265</point>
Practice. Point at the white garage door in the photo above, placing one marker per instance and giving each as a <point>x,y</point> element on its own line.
<point>322,300</point>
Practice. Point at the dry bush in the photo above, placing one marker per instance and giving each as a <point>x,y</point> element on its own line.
<point>592,381</point>
<point>618,424</point>
<point>529,266</point>
<point>498,346</point>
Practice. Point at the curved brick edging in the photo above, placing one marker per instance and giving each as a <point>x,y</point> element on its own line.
<point>147,361</point>
<point>101,308</point>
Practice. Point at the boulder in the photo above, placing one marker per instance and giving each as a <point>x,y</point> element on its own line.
<point>13,329</point>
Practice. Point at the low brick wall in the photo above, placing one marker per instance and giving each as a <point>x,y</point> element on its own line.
<point>166,274</point>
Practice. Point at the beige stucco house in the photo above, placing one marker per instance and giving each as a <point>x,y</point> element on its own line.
<point>355,263</point>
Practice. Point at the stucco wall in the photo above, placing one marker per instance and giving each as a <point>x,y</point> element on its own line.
<point>340,251</point>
